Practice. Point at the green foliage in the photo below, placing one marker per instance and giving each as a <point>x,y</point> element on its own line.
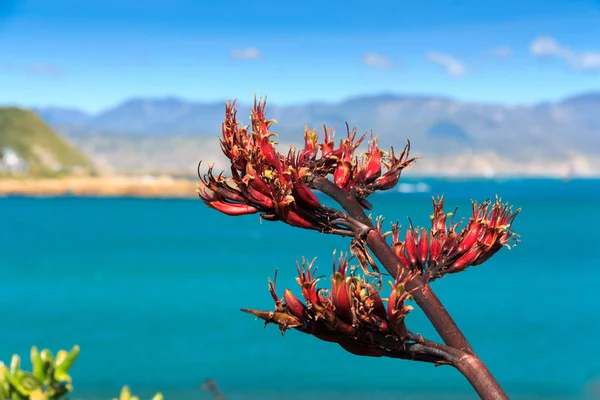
<point>48,380</point>
<point>46,153</point>
<point>126,395</point>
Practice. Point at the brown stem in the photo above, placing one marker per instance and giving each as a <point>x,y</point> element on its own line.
<point>469,365</point>
<point>343,198</point>
<point>480,378</point>
<point>423,295</point>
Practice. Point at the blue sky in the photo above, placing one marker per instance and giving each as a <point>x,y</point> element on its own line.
<point>93,55</point>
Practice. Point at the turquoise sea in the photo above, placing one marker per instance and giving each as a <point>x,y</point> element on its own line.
<point>151,291</point>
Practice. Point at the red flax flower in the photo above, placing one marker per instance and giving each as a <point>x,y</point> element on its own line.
<point>262,180</point>
<point>444,249</point>
<point>352,314</point>
<point>360,175</point>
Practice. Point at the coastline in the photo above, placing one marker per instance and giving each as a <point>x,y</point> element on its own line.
<point>168,187</point>
<point>104,186</point>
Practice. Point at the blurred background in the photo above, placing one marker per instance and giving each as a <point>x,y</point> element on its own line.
<point>107,107</point>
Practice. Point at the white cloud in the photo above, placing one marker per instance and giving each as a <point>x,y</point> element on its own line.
<point>502,51</point>
<point>453,66</point>
<point>248,53</point>
<point>546,46</point>
<point>589,60</point>
<point>376,60</point>
<point>44,69</point>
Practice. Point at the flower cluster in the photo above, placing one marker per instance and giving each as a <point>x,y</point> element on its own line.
<point>351,314</point>
<point>361,174</point>
<point>264,181</point>
<point>444,249</point>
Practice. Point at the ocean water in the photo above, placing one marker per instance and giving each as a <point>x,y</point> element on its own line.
<point>151,291</point>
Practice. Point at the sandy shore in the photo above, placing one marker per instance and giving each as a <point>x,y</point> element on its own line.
<point>161,187</point>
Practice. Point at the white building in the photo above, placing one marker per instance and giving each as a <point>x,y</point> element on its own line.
<point>11,162</point>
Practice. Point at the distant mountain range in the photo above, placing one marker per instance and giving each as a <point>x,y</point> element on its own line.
<point>437,126</point>
<point>433,123</point>
<point>145,117</point>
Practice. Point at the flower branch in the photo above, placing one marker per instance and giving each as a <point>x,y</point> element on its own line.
<point>352,314</point>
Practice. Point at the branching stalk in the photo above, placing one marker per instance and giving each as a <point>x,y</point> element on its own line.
<point>353,314</point>
<point>469,364</point>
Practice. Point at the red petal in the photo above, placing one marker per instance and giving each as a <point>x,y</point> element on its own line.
<point>294,305</point>
<point>423,247</point>
<point>373,165</point>
<point>340,294</point>
<point>466,259</point>
<point>341,175</point>
<point>411,247</point>
<point>305,194</point>
<point>233,209</point>
<point>293,218</point>
<point>470,239</point>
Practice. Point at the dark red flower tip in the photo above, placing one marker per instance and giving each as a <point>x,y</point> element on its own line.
<point>262,180</point>
<point>349,314</point>
<point>373,161</point>
<point>445,248</point>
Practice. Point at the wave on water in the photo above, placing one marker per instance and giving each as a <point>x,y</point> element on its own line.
<point>420,187</point>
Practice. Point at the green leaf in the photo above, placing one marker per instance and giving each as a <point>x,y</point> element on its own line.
<point>47,356</point>
<point>30,382</point>
<point>48,372</point>
<point>64,360</point>
<point>16,384</point>
<point>4,384</point>
<point>38,365</point>
<point>60,358</point>
<point>4,393</point>
<point>125,393</point>
<point>15,364</point>
<point>62,376</point>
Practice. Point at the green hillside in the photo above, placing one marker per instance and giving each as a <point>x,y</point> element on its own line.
<point>45,153</point>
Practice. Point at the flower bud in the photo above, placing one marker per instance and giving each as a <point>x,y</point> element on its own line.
<point>340,295</point>
<point>293,218</point>
<point>470,239</point>
<point>411,247</point>
<point>233,208</point>
<point>437,245</point>
<point>341,176</point>
<point>304,194</point>
<point>373,168</point>
<point>423,247</point>
<point>399,249</point>
<point>387,180</point>
<point>294,305</point>
<point>466,259</point>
